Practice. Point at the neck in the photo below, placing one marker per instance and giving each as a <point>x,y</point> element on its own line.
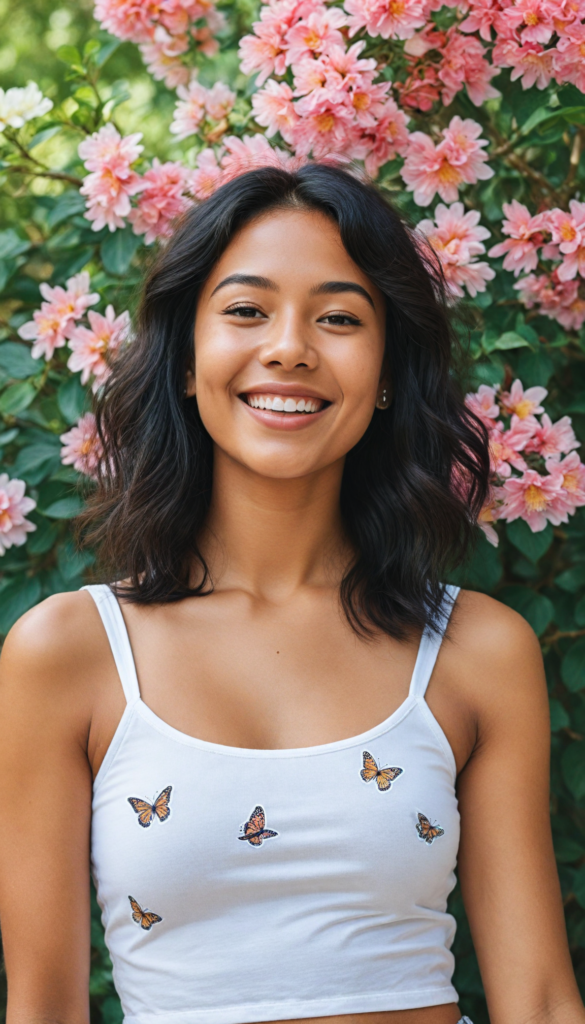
<point>271,536</point>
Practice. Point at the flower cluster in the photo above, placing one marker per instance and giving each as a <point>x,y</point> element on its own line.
<point>335,107</point>
<point>235,157</point>
<point>459,158</point>
<point>457,239</point>
<point>163,192</point>
<point>165,30</point>
<point>548,484</point>
<point>196,103</point>
<point>55,321</point>
<point>556,236</point>
<point>82,447</point>
<point>17,106</point>
<point>441,64</point>
<point>13,509</point>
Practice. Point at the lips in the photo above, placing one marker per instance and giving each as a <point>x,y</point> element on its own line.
<point>287,404</point>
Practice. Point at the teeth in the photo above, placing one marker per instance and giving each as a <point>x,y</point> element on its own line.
<point>276,404</point>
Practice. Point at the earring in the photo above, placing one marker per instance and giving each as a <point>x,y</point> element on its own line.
<point>383,401</point>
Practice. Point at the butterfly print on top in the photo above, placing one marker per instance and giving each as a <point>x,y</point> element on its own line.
<point>384,776</point>
<point>426,831</point>
<point>145,918</point>
<point>147,812</point>
<point>254,830</point>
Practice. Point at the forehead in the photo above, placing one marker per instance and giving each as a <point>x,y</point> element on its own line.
<point>294,248</point>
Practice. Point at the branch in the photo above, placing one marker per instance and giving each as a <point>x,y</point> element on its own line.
<point>54,175</point>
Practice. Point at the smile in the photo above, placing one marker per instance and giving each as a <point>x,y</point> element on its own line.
<point>283,404</point>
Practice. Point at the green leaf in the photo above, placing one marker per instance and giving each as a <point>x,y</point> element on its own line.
<point>12,244</point>
<point>42,540</point>
<point>532,545</point>
<point>483,570</point>
<point>69,55</point>
<point>579,886</point>
<point>66,206</point>
<point>44,135</point>
<point>16,398</point>
<point>580,612</point>
<point>511,340</point>
<point>537,117</point>
<point>559,718</point>
<point>85,94</point>
<point>573,666</point>
<point>7,436</point>
<point>16,599</point>
<point>535,608</point>
<point>72,399</point>
<point>16,360</point>
<point>573,768</point>
<point>567,850</point>
<point>65,508</point>
<point>535,368</point>
<point>572,579</point>
<point>108,47</point>
<point>35,457</point>
<point>72,562</point>
<point>117,251</point>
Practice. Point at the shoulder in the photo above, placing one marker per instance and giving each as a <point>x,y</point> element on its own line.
<point>494,657</point>
<point>54,652</point>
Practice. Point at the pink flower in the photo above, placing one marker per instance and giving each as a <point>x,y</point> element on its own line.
<point>397,19</point>
<point>487,517</point>
<point>521,249</point>
<point>568,229</point>
<point>109,187</point>
<point>315,34</point>
<point>459,158</point>
<point>558,300</point>
<point>388,138</point>
<point>572,472</point>
<point>54,321</point>
<point>163,56</point>
<point>456,237</point>
<point>464,63</point>
<point>219,101</point>
<point>93,349</point>
<point>483,404</point>
<point>481,19</point>
<point>207,177</point>
<point>325,128</point>
<point>530,18</point>
<point>126,19</point>
<point>573,264</point>
<point>551,440</point>
<point>262,52</point>
<point>82,447</point>
<point>189,111</point>
<point>161,201</point>
<point>523,403</point>
<point>505,445</point>
<point>250,152</point>
<point>13,509</point>
<point>569,57</point>
<point>536,499</point>
<point>530,62</point>
<point>273,109</point>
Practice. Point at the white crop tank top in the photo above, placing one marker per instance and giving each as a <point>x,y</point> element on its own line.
<point>241,886</point>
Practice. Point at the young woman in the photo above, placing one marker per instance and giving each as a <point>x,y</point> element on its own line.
<point>286,761</point>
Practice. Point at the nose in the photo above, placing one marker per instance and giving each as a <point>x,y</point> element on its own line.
<point>289,344</point>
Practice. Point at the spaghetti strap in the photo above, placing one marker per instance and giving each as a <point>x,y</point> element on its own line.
<point>430,645</point>
<point>115,627</point>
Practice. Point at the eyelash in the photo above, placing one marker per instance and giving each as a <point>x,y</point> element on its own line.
<point>350,321</point>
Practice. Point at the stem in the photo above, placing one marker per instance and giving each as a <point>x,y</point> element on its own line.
<point>562,635</point>
<point>53,175</point>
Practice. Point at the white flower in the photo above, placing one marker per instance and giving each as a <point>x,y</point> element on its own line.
<point>20,105</point>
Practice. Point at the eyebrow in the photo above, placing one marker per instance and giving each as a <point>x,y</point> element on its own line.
<point>252,280</point>
<point>337,287</point>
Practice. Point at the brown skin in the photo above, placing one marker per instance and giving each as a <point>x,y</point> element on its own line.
<point>268,660</point>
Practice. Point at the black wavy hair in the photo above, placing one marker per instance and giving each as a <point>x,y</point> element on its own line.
<point>412,487</point>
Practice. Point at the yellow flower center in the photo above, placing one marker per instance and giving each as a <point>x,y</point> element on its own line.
<point>523,409</point>
<point>582,49</point>
<point>361,100</point>
<point>531,18</point>
<point>570,481</point>
<point>324,122</point>
<point>535,499</point>
<point>312,39</point>
<point>5,521</point>
<point>449,175</point>
<point>567,231</point>
<point>396,8</point>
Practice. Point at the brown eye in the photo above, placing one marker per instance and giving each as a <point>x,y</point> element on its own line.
<point>247,312</point>
<point>340,320</point>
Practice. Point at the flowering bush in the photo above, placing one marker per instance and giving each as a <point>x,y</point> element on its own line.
<point>470,115</point>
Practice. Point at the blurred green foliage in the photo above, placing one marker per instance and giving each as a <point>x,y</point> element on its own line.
<point>44,237</point>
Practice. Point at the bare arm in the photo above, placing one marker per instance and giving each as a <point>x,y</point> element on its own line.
<point>507,867</point>
<point>45,776</point>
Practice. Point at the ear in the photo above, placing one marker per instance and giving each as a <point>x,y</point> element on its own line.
<point>190,389</point>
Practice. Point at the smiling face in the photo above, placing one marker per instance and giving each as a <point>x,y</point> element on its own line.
<point>289,347</point>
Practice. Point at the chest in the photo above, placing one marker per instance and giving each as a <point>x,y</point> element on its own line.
<point>245,828</point>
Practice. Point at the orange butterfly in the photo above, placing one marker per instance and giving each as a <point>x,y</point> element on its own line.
<point>384,776</point>
<point>146,812</point>
<point>254,830</point>
<point>427,831</point>
<point>145,918</point>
